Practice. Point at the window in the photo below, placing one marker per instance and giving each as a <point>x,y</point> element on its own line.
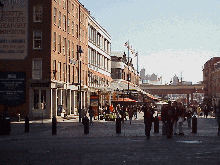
<point>64,46</point>
<point>68,26</point>
<point>40,102</point>
<point>36,99</point>
<point>59,17</point>
<point>54,15</point>
<point>68,48</point>
<point>69,6</point>
<point>77,31</point>
<point>54,41</point>
<point>68,73</point>
<point>76,12</point>
<point>72,50</point>
<point>64,69</point>
<point>59,71</point>
<point>64,22</point>
<point>73,74</point>
<point>72,28</point>
<point>72,8</point>
<point>59,44</point>
<point>54,69</point>
<point>37,43</point>
<point>38,13</point>
<point>37,69</point>
<point>64,4</point>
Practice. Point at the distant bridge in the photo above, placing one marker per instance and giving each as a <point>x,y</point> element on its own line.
<point>173,89</point>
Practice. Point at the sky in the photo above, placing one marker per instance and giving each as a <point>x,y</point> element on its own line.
<point>172,37</point>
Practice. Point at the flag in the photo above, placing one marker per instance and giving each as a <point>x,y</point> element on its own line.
<point>126,43</point>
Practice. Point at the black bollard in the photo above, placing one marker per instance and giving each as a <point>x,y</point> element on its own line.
<point>118,125</point>
<point>156,124</point>
<point>86,125</point>
<point>54,125</point>
<point>194,124</point>
<point>26,124</point>
<point>18,117</point>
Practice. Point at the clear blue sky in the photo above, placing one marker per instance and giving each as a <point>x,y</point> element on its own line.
<point>171,36</point>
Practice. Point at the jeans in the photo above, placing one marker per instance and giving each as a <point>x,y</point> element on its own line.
<point>91,120</point>
<point>180,127</point>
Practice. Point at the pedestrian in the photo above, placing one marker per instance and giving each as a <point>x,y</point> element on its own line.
<point>130,113</point>
<point>169,113</point>
<point>135,112</point>
<point>91,113</point>
<point>163,119</point>
<point>181,117</point>
<point>148,119</point>
<point>189,118</point>
<point>122,112</point>
<point>175,117</point>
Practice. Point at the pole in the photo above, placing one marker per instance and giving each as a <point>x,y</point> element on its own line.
<point>137,61</point>
<point>128,70</point>
<point>80,90</point>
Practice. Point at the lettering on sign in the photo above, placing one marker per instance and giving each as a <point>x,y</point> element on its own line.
<point>14,29</point>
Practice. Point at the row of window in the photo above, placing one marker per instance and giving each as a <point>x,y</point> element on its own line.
<point>98,60</point>
<point>97,39</point>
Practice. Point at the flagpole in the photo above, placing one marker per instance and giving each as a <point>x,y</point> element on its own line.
<point>137,61</point>
<point>128,69</point>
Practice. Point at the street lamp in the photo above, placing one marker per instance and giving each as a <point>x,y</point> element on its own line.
<point>79,80</point>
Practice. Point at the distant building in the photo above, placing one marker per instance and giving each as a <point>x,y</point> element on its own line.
<point>150,79</point>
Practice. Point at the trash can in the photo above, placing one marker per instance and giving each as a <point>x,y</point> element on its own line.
<point>86,125</point>
<point>5,125</point>
<point>194,124</point>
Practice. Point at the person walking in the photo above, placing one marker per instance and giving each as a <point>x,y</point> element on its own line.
<point>91,113</point>
<point>181,118</point>
<point>163,109</point>
<point>175,117</point>
<point>148,119</point>
<point>130,113</point>
<point>135,112</point>
<point>189,118</point>
<point>169,114</point>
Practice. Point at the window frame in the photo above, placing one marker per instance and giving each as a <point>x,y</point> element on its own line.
<point>39,13</point>
<point>35,39</point>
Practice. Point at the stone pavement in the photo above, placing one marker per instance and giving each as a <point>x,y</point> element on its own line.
<point>103,146</point>
<point>70,127</point>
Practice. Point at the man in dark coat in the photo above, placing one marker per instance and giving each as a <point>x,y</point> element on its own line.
<point>148,119</point>
<point>169,117</point>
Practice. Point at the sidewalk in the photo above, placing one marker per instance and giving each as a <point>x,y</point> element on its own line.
<point>71,127</point>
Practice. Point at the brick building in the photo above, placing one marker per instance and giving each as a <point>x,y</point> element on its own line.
<point>211,81</point>
<point>41,39</point>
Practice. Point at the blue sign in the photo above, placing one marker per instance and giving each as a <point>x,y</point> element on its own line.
<point>12,88</point>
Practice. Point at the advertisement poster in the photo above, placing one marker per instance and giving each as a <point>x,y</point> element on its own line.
<point>94,103</point>
<point>13,29</point>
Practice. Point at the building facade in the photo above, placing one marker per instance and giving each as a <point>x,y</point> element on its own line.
<point>211,81</point>
<point>49,35</point>
<point>99,63</point>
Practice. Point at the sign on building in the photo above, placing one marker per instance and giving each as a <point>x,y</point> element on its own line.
<point>12,88</point>
<point>14,29</point>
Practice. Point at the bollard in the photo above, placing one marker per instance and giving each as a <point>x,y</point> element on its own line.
<point>86,125</point>
<point>156,124</point>
<point>118,125</point>
<point>54,125</point>
<point>194,124</point>
<point>18,117</point>
<point>26,124</point>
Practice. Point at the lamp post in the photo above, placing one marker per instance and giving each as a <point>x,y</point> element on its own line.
<point>79,80</point>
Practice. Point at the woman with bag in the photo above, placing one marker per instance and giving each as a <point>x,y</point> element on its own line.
<point>181,118</point>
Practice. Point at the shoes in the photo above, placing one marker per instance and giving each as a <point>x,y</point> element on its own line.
<point>181,134</point>
<point>168,137</point>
